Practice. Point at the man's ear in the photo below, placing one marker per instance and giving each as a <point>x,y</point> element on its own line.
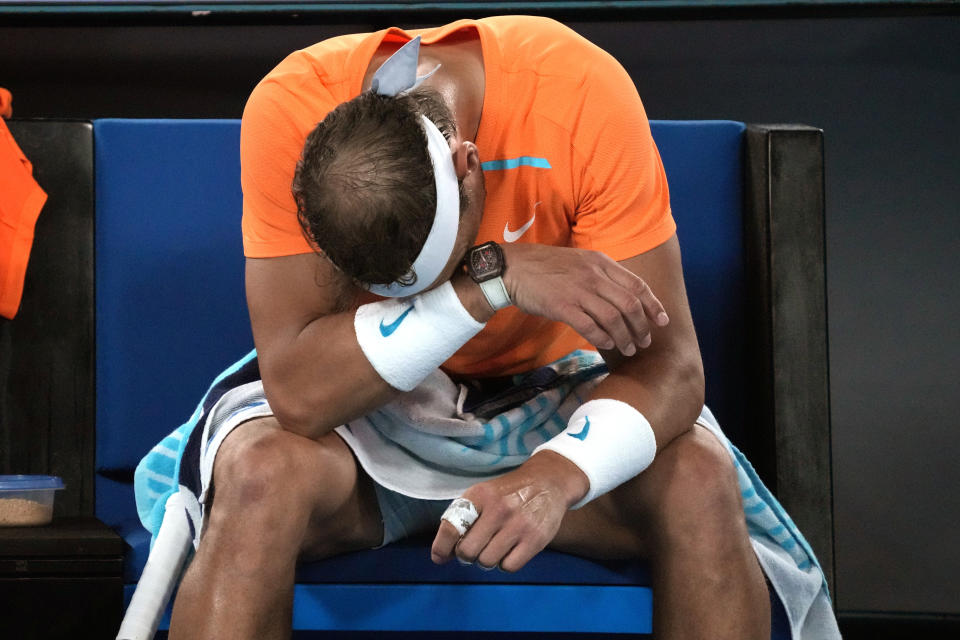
<point>466,158</point>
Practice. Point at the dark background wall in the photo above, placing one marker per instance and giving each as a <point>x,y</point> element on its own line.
<point>885,87</point>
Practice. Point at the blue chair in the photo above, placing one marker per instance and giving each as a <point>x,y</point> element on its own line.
<point>171,314</point>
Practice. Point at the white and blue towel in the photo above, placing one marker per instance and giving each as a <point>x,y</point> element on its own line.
<point>441,438</point>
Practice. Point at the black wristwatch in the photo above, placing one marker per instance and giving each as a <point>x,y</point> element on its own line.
<point>486,265</point>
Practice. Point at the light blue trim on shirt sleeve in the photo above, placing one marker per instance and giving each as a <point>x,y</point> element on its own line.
<point>513,163</point>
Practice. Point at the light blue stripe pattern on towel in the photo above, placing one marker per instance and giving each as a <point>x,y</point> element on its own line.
<point>499,444</point>
<point>494,447</point>
<point>766,517</point>
<point>156,478</point>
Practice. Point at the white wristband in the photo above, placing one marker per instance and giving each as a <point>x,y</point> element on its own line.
<point>609,440</point>
<point>406,339</point>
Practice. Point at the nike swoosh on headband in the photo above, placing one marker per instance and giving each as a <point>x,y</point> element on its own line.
<point>513,236</point>
<point>386,330</point>
<point>582,435</point>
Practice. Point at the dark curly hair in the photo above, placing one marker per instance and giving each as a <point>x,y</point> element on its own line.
<point>364,185</point>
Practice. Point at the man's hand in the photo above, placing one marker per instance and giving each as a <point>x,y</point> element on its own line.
<point>601,300</point>
<point>520,513</point>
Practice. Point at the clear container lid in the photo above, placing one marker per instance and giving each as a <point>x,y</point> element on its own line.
<point>29,483</point>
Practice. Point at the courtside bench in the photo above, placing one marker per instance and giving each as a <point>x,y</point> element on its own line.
<point>170,315</point>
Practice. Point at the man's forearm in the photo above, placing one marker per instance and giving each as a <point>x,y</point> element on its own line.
<point>665,383</point>
<point>663,380</point>
<point>668,394</point>
<point>321,378</point>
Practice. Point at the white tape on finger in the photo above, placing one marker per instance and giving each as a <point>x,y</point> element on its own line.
<point>461,514</point>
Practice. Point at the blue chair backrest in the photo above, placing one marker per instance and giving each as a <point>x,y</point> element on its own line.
<point>170,308</point>
<point>704,165</point>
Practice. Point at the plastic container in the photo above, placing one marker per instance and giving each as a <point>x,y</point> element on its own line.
<point>27,501</point>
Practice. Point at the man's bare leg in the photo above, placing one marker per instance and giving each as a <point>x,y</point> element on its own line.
<point>685,515</point>
<point>278,496</point>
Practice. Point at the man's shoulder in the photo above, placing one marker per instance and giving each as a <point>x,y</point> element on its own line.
<point>323,72</point>
<point>517,27</point>
<point>302,89</point>
<point>544,60</point>
<point>533,35</point>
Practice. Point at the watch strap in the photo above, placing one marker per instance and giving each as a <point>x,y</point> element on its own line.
<point>496,293</point>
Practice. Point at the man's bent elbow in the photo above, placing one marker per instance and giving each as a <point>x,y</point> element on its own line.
<point>292,419</point>
<point>697,381</point>
<point>693,381</point>
<point>294,414</point>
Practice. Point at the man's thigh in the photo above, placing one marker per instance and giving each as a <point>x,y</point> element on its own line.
<point>316,483</point>
<point>622,524</point>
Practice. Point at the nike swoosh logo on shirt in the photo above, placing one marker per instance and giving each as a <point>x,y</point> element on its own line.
<point>387,329</point>
<point>513,236</point>
<point>583,432</point>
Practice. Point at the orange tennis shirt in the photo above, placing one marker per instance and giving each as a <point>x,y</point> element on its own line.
<point>21,200</point>
<point>564,143</point>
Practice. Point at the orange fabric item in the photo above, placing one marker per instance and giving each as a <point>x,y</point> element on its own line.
<point>21,199</point>
<point>6,103</point>
<point>564,140</point>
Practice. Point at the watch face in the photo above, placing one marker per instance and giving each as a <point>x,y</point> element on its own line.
<point>485,263</point>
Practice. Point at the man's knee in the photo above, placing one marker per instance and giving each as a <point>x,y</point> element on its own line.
<point>697,498</point>
<point>250,464</point>
<point>261,466</point>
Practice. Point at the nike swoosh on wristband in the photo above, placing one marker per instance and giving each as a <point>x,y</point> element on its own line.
<point>583,432</point>
<point>513,236</point>
<point>387,329</point>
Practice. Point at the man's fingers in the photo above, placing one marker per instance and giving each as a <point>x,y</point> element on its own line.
<point>611,321</point>
<point>496,550</point>
<point>474,541</point>
<point>632,312</point>
<point>519,556</point>
<point>444,543</point>
<point>584,324</point>
<point>640,289</point>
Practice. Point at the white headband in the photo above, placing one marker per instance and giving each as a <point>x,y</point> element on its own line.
<point>395,76</point>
